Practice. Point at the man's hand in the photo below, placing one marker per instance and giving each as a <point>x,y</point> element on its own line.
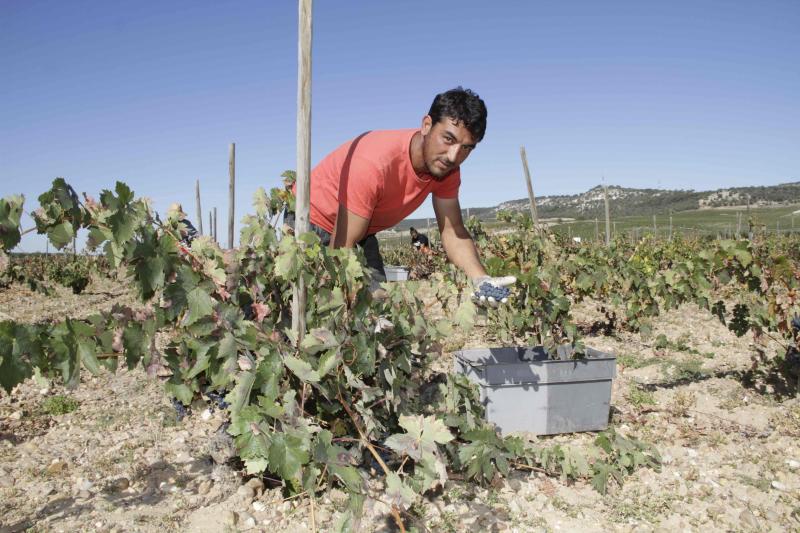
<point>492,291</point>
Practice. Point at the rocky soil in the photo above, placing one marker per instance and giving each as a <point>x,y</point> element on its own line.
<point>111,455</point>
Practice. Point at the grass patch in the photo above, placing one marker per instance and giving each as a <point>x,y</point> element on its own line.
<point>760,483</point>
<point>641,506</point>
<point>59,405</point>
<point>628,360</point>
<point>639,397</point>
<point>686,370</point>
<point>681,344</point>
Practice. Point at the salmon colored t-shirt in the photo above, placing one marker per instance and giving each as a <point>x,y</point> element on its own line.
<point>372,176</point>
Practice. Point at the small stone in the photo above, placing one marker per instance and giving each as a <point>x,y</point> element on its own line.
<point>84,484</point>
<point>338,496</point>
<point>6,482</point>
<point>749,520</point>
<point>772,516</point>
<point>247,521</point>
<point>56,467</point>
<point>84,495</point>
<point>204,487</point>
<point>16,415</point>
<point>167,487</point>
<point>794,465</point>
<point>259,506</point>
<point>44,490</point>
<point>777,485</point>
<point>183,457</point>
<point>206,415</point>
<point>256,484</point>
<point>229,518</point>
<point>245,492</point>
<point>122,483</point>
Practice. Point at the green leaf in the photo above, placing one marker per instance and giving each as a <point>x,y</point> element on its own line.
<point>180,391</point>
<point>287,262</point>
<point>200,304</point>
<point>301,369</point>
<point>13,369</point>
<point>240,395</point>
<point>423,434</point>
<point>600,477</point>
<point>350,476</point>
<point>398,493</point>
<point>465,315</point>
<point>87,352</point>
<point>61,234</point>
<point>286,455</point>
<point>150,274</point>
<point>317,340</point>
<point>328,362</point>
<point>10,212</point>
<point>255,465</point>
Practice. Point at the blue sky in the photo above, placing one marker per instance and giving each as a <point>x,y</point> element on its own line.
<point>680,94</point>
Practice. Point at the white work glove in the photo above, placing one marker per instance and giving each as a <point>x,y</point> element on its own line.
<point>492,291</point>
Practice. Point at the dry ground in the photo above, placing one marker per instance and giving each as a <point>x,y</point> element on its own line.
<point>121,461</point>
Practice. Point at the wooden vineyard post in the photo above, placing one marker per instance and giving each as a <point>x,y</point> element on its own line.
<point>303,154</point>
<point>531,197</point>
<point>655,227</point>
<point>197,205</point>
<point>738,223</point>
<point>608,217</point>
<point>211,225</point>
<point>231,192</point>
<point>428,230</point>
<point>596,228</point>
<point>216,239</point>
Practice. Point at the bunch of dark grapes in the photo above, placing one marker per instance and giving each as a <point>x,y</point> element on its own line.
<point>180,409</point>
<point>217,398</point>
<point>487,290</point>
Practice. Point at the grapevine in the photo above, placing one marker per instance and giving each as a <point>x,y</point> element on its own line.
<point>307,412</point>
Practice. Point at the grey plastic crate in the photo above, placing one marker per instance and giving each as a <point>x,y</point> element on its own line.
<point>396,273</point>
<point>523,390</point>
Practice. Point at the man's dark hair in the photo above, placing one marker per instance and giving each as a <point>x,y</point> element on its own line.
<point>464,107</point>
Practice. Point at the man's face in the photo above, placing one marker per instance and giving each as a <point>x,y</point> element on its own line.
<point>445,145</point>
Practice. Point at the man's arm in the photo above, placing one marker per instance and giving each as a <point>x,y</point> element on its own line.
<point>349,228</point>
<point>456,239</point>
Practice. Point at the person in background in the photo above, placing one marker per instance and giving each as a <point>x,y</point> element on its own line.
<point>420,241</point>
<point>374,181</point>
<point>188,232</point>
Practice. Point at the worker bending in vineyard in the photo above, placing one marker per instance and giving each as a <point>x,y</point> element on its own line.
<point>420,241</point>
<point>374,181</point>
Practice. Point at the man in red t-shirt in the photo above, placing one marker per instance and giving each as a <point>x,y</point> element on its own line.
<point>379,178</point>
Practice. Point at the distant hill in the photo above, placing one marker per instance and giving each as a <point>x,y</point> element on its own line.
<point>627,201</point>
